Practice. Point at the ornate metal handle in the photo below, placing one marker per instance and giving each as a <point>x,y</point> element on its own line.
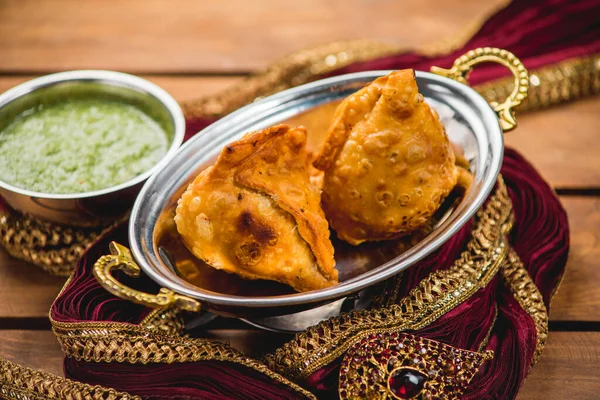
<point>120,258</point>
<point>464,64</point>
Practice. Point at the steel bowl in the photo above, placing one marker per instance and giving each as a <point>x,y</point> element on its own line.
<point>469,121</point>
<point>100,206</point>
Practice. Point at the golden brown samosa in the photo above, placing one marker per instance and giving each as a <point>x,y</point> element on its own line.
<point>387,160</point>
<point>256,214</point>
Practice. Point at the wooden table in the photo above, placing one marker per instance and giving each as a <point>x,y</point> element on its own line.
<point>196,48</point>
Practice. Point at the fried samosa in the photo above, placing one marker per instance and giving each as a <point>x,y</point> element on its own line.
<point>256,214</point>
<point>387,160</point>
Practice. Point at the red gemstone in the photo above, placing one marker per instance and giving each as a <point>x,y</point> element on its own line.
<point>407,383</point>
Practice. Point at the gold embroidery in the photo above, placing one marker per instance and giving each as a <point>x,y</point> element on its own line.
<point>375,367</point>
<point>529,297</point>
<point>55,248</point>
<point>433,297</point>
<point>121,342</point>
<point>20,383</point>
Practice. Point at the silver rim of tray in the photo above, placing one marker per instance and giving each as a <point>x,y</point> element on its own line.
<point>146,254</point>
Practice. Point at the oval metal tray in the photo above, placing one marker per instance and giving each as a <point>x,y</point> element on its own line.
<point>470,122</point>
<point>467,117</point>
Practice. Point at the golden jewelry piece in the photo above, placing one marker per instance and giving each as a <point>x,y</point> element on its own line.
<point>393,365</point>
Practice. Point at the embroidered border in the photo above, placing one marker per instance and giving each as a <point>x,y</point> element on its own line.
<point>529,297</point>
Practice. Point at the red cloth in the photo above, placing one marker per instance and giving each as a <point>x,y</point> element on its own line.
<point>539,32</point>
<point>540,237</point>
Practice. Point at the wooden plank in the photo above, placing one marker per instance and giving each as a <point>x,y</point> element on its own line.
<point>568,368</point>
<point>229,35</point>
<point>562,143</point>
<point>25,290</point>
<point>34,349</point>
<point>578,297</point>
<point>181,88</point>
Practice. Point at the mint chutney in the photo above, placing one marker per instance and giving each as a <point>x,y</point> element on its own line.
<point>79,145</point>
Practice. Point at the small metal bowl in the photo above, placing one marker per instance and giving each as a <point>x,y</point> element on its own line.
<point>98,207</point>
<point>469,121</point>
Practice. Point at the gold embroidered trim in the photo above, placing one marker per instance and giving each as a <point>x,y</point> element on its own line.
<point>565,81</point>
<point>168,321</point>
<point>562,82</point>
<point>53,247</point>
<point>120,342</point>
<point>154,340</point>
<point>20,383</point>
<point>529,297</point>
<point>433,297</point>
<point>373,368</point>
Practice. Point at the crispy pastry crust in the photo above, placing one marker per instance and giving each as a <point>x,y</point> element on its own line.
<point>256,214</point>
<point>387,160</point>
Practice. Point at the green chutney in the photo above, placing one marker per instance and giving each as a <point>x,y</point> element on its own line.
<point>79,145</point>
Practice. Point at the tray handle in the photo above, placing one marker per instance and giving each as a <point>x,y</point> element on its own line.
<point>465,63</point>
<point>121,259</point>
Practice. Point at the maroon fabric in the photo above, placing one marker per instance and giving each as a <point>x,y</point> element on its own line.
<point>210,380</point>
<point>541,239</point>
<point>540,236</point>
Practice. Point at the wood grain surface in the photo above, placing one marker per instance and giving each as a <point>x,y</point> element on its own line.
<point>568,368</point>
<point>178,36</point>
<point>578,296</point>
<point>195,49</point>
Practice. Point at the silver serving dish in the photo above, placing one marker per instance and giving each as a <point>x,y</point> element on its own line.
<point>470,122</point>
<point>100,206</point>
